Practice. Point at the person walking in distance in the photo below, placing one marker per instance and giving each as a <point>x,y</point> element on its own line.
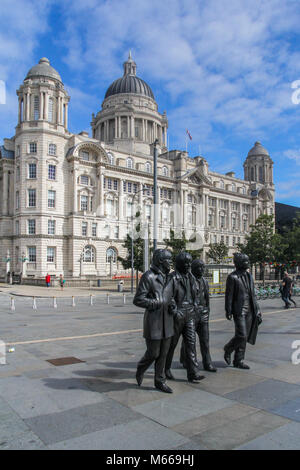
<point>201,317</point>
<point>61,282</point>
<point>241,304</point>
<point>48,280</point>
<point>287,286</point>
<point>155,293</point>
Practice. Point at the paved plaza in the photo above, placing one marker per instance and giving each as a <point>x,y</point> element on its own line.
<point>91,401</point>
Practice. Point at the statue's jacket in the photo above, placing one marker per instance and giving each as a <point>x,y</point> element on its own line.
<point>154,293</point>
<point>235,298</point>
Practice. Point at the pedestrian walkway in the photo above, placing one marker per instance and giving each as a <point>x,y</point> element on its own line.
<point>70,383</point>
<point>40,291</point>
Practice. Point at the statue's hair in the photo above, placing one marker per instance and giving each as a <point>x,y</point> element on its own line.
<point>238,257</point>
<point>181,257</point>
<point>196,263</point>
<point>158,255</point>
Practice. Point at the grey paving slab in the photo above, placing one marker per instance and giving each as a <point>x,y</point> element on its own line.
<point>212,420</point>
<point>73,423</point>
<point>266,395</point>
<point>284,438</point>
<point>290,410</point>
<point>190,445</point>
<point>25,441</point>
<point>239,431</point>
<point>175,410</point>
<point>135,435</point>
<point>11,425</point>
<point>228,380</point>
<point>285,372</point>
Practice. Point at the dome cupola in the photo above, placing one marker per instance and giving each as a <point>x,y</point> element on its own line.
<point>43,69</point>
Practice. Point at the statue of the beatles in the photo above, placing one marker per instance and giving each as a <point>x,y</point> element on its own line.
<point>177,304</point>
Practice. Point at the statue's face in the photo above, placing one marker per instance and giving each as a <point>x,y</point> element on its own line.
<point>243,263</point>
<point>185,266</point>
<point>166,262</point>
<point>198,270</point>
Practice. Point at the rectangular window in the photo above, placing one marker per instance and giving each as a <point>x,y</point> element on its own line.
<point>51,172</point>
<point>51,227</point>
<point>31,226</point>
<point>129,187</point>
<point>84,229</point>
<point>17,200</point>
<point>94,230</point>
<point>227,241</point>
<point>124,186</point>
<point>31,198</point>
<point>135,188</point>
<point>17,174</point>
<point>52,149</point>
<point>32,147</point>
<point>50,254</point>
<point>129,208</point>
<point>212,202</point>
<point>233,241</point>
<point>222,221</point>
<point>116,232</point>
<point>109,183</point>
<point>36,108</point>
<point>17,227</point>
<point>116,185</point>
<point>32,254</point>
<point>32,170</point>
<point>51,198</point>
<point>85,156</point>
<point>222,238</point>
<point>84,203</point>
<point>18,152</point>
<point>84,179</point>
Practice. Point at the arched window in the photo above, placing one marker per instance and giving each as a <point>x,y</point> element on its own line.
<point>129,163</point>
<point>165,171</point>
<point>111,158</point>
<point>148,167</point>
<point>89,254</point>
<point>111,255</point>
<point>50,110</point>
<point>36,108</point>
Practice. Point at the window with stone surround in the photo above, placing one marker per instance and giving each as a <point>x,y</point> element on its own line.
<point>17,227</point>
<point>36,108</point>
<point>52,149</point>
<point>32,170</point>
<point>51,199</point>
<point>111,255</point>
<point>17,200</point>
<point>129,163</point>
<point>32,147</point>
<point>94,229</point>
<point>31,197</point>
<point>31,226</point>
<point>50,254</point>
<point>50,110</point>
<point>84,179</point>
<point>83,202</point>
<point>51,227</point>
<point>84,227</point>
<point>89,254</point>
<point>52,172</point>
<point>31,250</point>
<point>85,155</point>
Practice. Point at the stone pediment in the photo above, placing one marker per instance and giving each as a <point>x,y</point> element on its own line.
<point>196,176</point>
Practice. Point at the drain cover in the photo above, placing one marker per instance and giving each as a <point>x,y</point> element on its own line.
<point>64,361</point>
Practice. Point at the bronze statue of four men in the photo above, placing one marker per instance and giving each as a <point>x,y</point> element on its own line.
<point>177,304</point>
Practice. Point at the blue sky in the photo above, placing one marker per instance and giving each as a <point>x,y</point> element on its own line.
<point>223,69</point>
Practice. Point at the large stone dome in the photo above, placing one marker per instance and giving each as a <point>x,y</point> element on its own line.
<point>129,83</point>
<point>257,150</point>
<point>43,69</point>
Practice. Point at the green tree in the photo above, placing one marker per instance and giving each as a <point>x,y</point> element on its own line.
<point>138,251</point>
<point>291,236</point>
<point>217,252</point>
<point>176,245</point>
<point>263,245</point>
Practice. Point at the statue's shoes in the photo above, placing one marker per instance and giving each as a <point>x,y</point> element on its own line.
<point>139,378</point>
<point>241,365</point>
<point>195,378</point>
<point>169,374</point>
<point>210,368</point>
<point>227,357</point>
<point>163,387</point>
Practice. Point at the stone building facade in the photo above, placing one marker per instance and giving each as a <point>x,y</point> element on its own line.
<point>68,200</point>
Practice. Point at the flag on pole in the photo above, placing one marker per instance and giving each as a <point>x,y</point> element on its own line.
<point>188,133</point>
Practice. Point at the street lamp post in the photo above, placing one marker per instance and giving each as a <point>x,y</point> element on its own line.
<point>132,245</point>
<point>155,224</point>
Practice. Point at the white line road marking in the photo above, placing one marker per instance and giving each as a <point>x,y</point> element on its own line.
<point>95,335</point>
